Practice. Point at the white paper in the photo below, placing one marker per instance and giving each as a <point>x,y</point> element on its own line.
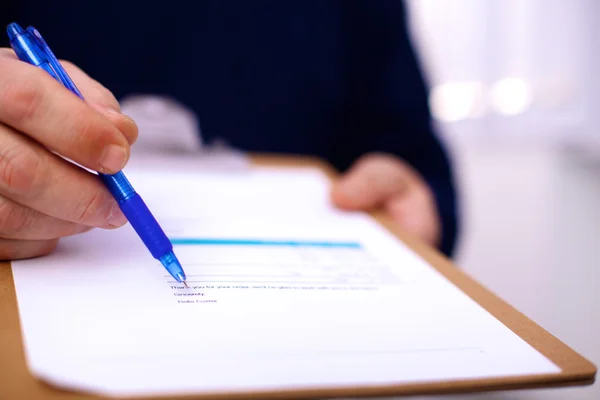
<point>286,293</point>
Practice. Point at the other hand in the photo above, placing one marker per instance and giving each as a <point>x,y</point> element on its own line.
<point>42,196</point>
<point>381,181</point>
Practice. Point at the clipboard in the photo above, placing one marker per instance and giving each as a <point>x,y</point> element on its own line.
<point>17,382</point>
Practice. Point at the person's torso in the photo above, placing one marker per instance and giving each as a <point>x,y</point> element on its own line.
<point>263,75</point>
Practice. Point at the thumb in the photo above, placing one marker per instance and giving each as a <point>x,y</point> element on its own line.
<point>96,96</point>
<point>100,98</point>
<point>370,182</point>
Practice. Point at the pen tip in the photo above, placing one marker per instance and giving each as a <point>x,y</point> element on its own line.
<point>171,263</point>
<point>186,285</point>
<point>180,276</point>
<point>13,30</point>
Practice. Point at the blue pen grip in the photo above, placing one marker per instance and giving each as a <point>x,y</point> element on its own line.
<point>146,226</point>
<point>138,214</point>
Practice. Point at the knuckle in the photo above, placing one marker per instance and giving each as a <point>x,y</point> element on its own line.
<point>82,126</point>
<point>21,99</point>
<point>89,207</point>
<point>20,170</point>
<point>14,218</point>
<point>86,136</point>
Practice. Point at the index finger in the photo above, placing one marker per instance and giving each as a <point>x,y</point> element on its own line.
<point>96,95</point>
<point>34,103</point>
<point>102,99</point>
<point>9,53</point>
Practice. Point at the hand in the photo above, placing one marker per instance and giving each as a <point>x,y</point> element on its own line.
<point>42,196</point>
<point>379,181</point>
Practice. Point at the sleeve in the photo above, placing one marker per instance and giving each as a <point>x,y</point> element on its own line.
<point>388,109</point>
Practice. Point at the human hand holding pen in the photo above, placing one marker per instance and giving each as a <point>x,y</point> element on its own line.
<point>42,196</point>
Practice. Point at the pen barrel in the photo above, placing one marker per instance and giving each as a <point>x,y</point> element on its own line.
<point>138,214</point>
<point>29,46</point>
<point>146,226</point>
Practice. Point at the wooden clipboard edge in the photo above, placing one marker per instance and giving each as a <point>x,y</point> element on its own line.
<point>576,370</point>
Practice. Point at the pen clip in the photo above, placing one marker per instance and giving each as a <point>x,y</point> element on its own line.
<point>53,61</point>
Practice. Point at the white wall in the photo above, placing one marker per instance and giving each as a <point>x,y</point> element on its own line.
<point>511,67</point>
<point>530,180</point>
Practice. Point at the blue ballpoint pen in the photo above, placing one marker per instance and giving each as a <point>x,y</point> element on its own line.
<point>30,47</point>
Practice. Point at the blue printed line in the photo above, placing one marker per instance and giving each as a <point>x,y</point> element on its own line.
<point>259,242</point>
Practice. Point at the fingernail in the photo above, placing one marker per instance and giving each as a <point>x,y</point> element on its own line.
<point>116,218</point>
<point>130,130</point>
<point>123,122</point>
<point>113,158</point>
<point>128,119</point>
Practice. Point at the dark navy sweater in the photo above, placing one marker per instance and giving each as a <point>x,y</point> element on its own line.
<point>330,78</point>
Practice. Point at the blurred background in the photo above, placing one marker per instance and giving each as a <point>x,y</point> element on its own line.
<point>515,92</point>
